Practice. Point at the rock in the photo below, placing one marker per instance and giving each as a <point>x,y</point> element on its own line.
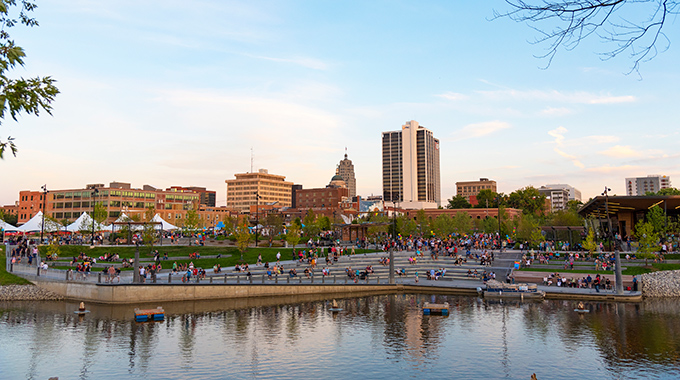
<point>27,293</point>
<point>660,284</point>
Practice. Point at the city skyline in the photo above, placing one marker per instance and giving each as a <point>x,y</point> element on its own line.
<point>169,95</point>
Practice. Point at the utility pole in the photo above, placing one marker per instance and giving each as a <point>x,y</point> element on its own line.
<point>42,224</point>
<point>618,276</point>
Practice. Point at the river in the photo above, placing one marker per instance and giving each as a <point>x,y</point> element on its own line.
<point>374,337</point>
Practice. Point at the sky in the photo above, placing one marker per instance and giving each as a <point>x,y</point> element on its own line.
<point>189,93</point>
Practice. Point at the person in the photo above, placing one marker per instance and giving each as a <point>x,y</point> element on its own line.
<point>635,283</point>
<point>259,259</point>
<point>416,277</point>
<point>278,256</point>
<point>596,283</point>
<point>142,274</point>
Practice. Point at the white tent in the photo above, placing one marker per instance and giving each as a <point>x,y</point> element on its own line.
<point>165,225</point>
<point>35,224</point>
<point>85,220</point>
<point>6,226</point>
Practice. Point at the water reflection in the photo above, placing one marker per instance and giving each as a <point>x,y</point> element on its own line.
<point>375,336</point>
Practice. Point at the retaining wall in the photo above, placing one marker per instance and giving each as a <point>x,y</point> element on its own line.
<point>661,284</point>
<point>140,293</point>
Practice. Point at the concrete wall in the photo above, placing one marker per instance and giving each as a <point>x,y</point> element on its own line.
<point>122,294</point>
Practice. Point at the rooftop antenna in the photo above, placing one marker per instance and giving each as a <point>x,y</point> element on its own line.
<point>345,153</point>
<point>251,159</point>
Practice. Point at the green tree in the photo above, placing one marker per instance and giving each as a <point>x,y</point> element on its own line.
<point>443,225</point>
<point>275,221</point>
<point>462,223</point>
<point>574,205</point>
<point>293,236</point>
<point>9,218</point>
<point>191,221</point>
<point>310,228</point>
<point>487,198</point>
<point>324,223</point>
<point>230,224</point>
<point>647,240</point>
<point>242,236</point>
<point>667,191</point>
<point>590,244</point>
<point>527,199</point>
<point>528,229</point>
<point>149,232</point>
<point>423,223</point>
<point>21,95</point>
<point>406,226</point>
<point>457,202</point>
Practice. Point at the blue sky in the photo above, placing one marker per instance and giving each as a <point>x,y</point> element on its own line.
<point>177,93</point>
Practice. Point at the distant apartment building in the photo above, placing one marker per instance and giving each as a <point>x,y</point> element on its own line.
<point>243,191</point>
<point>652,183</point>
<point>346,171</point>
<point>205,197</point>
<point>559,194</point>
<point>470,189</point>
<point>118,198</point>
<point>411,174</point>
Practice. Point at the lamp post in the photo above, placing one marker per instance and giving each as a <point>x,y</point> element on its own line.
<point>95,191</point>
<point>617,273</point>
<point>498,211</point>
<point>42,224</point>
<point>257,214</point>
<point>394,237</point>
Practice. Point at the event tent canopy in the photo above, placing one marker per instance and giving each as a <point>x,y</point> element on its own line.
<point>165,225</point>
<point>35,224</point>
<point>84,222</point>
<point>6,226</point>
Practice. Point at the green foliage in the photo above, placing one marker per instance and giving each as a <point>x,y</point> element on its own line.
<point>443,225</point>
<point>311,228</point>
<point>21,95</point>
<point>528,229</point>
<point>293,234</point>
<point>324,223</point>
<point>487,198</point>
<point>191,221</point>
<point>7,278</point>
<point>275,222</point>
<point>242,236</point>
<point>666,191</point>
<point>647,240</point>
<point>656,217</point>
<point>590,244</point>
<point>462,223</point>
<point>53,249</point>
<point>457,202</point>
<point>230,223</point>
<point>574,205</point>
<point>528,199</point>
<point>149,232</point>
<point>9,218</point>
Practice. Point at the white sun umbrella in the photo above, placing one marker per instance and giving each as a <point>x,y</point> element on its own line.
<point>6,226</point>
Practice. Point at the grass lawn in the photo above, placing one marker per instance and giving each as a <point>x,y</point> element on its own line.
<point>8,278</point>
<point>633,270</point>
<point>250,256</point>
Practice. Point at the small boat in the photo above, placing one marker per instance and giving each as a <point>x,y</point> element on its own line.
<point>334,307</point>
<point>145,315</point>
<point>581,308</point>
<point>435,308</point>
<point>81,309</point>
<point>497,289</point>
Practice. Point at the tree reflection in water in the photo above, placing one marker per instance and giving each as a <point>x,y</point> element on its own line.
<point>374,336</point>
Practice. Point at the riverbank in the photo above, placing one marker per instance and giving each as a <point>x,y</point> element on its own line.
<point>27,293</point>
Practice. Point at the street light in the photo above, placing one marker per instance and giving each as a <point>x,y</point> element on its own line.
<point>257,214</point>
<point>617,273</point>
<point>498,212</point>
<point>94,204</point>
<point>42,225</point>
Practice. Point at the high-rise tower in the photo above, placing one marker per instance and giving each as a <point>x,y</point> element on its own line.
<point>411,167</point>
<point>346,171</point>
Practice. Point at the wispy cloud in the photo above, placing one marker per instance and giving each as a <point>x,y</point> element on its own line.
<point>453,96</point>
<point>310,63</point>
<point>609,169</point>
<point>479,130</point>
<point>553,111</point>
<point>578,97</point>
<point>620,151</point>
<point>558,134</point>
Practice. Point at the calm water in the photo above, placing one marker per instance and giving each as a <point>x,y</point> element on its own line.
<point>375,337</point>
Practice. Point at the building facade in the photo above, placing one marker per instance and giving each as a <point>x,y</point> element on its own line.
<point>652,183</point>
<point>346,171</point>
<point>411,174</point>
<point>470,189</point>
<point>574,193</point>
<point>243,191</point>
<point>556,199</point>
<point>119,198</point>
<point>205,197</point>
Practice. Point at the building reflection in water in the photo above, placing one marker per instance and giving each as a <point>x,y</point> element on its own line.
<point>386,333</point>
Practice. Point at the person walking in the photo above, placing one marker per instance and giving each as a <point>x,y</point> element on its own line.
<point>635,283</point>
<point>416,277</point>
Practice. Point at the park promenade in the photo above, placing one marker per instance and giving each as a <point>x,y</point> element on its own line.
<point>458,278</point>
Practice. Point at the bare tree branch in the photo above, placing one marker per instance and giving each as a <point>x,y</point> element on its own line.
<point>575,20</point>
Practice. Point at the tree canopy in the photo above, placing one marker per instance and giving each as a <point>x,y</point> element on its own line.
<point>18,96</point>
<point>458,201</point>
